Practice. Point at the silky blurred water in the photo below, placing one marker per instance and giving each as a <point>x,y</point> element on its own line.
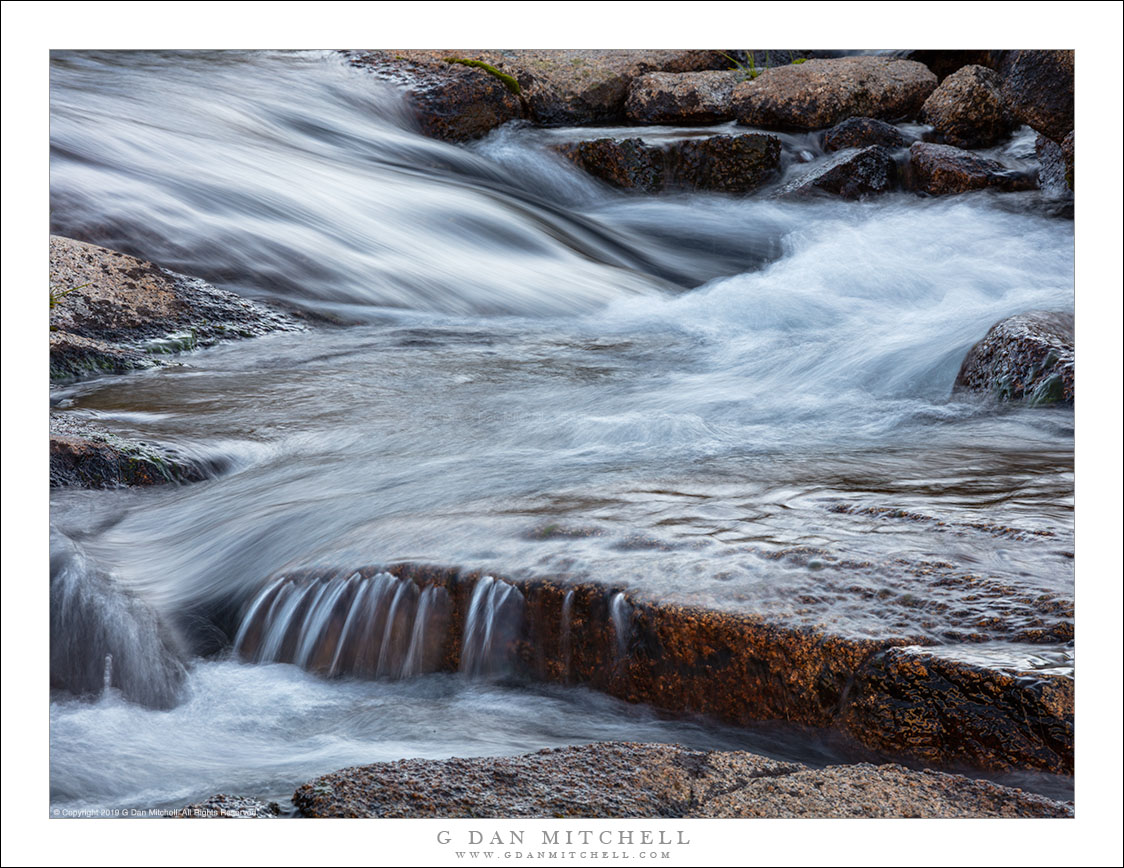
<point>510,367</point>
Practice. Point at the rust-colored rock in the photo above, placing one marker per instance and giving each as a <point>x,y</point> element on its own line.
<point>727,164</point>
<point>967,109</point>
<point>113,312</point>
<point>942,169</point>
<point>820,93</point>
<point>625,779</point>
<point>1027,357</point>
<point>864,132</point>
<point>850,174</point>
<point>1038,89</point>
<point>682,98</point>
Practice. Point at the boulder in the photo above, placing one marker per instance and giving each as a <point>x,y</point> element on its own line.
<point>944,62</point>
<point>727,164</point>
<point>819,93</point>
<point>849,174</point>
<point>84,456</point>
<point>629,780</point>
<point>967,109</point>
<point>1038,90</point>
<point>863,132</point>
<point>1051,167</point>
<point>1026,357</point>
<point>942,169</point>
<point>112,312</point>
<point>682,97</point>
<point>556,87</point>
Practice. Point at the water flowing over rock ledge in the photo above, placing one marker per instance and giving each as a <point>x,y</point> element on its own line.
<point>655,780</point>
<point>901,699</point>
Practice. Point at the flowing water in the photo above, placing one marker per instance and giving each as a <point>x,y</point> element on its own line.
<point>508,367</point>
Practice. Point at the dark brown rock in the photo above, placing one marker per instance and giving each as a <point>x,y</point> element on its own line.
<point>682,98</point>
<point>942,169</point>
<point>1038,90</point>
<point>83,456</point>
<point>624,779</point>
<point>112,312</point>
<point>951,705</point>
<point>728,164</point>
<point>224,807</point>
<point>819,93</point>
<point>1068,154</point>
<point>967,109</point>
<point>944,62</point>
<point>864,132</point>
<point>849,174</point>
<point>1027,357</point>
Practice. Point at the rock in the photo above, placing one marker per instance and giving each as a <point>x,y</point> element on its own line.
<point>624,779</point>
<point>967,109</point>
<point>943,169</point>
<point>112,312</point>
<point>849,174</point>
<point>1068,154</point>
<point>1038,90</point>
<point>1026,357</point>
<point>819,93</point>
<point>864,132</point>
<point>84,456</point>
<point>1051,167</point>
<point>728,164</point>
<point>558,87</point>
<point>945,62</point>
<point>224,807</point>
<point>895,692</point>
<point>682,98</point>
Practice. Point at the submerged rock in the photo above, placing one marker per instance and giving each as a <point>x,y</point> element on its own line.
<point>682,98</point>
<point>113,312</point>
<point>224,807</point>
<point>727,164</point>
<point>849,174</point>
<point>819,93</point>
<point>1038,90</point>
<point>84,456</point>
<point>864,132</point>
<point>1026,357</point>
<point>624,779</point>
<point>967,109</point>
<point>942,169</point>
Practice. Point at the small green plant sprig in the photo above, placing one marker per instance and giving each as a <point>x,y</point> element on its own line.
<point>749,69</point>
<point>57,297</point>
<point>508,81</point>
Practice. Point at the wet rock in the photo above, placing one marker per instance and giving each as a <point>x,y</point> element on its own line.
<point>967,109</point>
<point>945,62</point>
<point>224,807</point>
<point>624,779</point>
<point>849,174</point>
<point>942,169</point>
<point>112,312</point>
<point>1051,167</point>
<point>727,164</point>
<point>1038,90</point>
<point>939,704</point>
<point>84,456</point>
<point>1027,357</point>
<point>557,87</point>
<point>682,98</point>
<point>1068,154</point>
<point>819,93</point>
<point>864,132</point>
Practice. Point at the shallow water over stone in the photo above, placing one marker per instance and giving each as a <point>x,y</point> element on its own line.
<point>736,402</point>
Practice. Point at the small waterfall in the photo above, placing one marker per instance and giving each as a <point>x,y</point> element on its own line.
<point>620,611</point>
<point>495,615</point>
<point>103,636</point>
<point>567,619</point>
<point>375,627</point>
